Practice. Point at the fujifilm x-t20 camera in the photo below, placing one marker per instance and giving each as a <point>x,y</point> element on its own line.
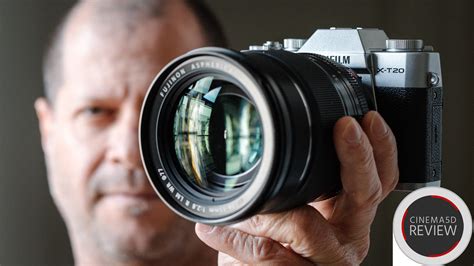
<point>225,134</point>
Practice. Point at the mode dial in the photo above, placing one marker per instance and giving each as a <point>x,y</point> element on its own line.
<point>394,45</point>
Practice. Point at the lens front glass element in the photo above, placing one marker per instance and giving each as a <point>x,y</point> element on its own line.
<point>217,134</point>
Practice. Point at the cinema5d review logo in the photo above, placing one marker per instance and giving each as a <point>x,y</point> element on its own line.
<point>432,226</point>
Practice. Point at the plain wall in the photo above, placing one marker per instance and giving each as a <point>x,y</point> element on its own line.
<point>31,230</point>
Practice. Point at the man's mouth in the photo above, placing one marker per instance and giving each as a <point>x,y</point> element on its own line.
<point>130,202</point>
<point>129,195</point>
<point>134,203</point>
<point>140,195</point>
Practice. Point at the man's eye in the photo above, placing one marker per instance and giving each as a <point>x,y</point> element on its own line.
<point>93,110</point>
<point>97,111</point>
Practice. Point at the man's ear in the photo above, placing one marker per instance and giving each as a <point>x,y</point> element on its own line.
<point>44,112</point>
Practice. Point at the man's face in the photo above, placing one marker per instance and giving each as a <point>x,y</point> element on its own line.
<point>90,132</point>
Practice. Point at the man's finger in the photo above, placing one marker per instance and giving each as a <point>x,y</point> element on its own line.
<point>356,206</point>
<point>359,175</point>
<point>385,150</point>
<point>247,248</point>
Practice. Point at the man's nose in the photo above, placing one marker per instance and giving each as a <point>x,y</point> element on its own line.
<point>123,147</point>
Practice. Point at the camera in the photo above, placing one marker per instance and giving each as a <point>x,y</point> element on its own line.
<point>225,134</point>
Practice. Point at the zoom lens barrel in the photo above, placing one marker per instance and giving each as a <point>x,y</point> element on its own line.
<point>225,135</point>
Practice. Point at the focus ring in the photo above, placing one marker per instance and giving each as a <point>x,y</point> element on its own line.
<point>329,106</point>
<point>345,74</point>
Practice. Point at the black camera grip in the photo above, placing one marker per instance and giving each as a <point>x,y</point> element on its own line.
<point>415,117</point>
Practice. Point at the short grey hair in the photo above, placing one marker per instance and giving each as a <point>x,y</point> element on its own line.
<point>128,12</point>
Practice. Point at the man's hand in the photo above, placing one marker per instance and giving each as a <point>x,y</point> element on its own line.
<point>333,232</point>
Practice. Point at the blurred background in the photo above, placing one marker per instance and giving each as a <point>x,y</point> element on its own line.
<point>31,230</point>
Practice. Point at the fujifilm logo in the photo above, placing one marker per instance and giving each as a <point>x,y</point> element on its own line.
<point>341,59</point>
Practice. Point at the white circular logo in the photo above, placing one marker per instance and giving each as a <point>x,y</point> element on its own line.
<point>432,225</point>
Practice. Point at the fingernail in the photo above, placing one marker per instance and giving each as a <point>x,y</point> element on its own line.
<point>353,133</point>
<point>378,126</point>
<point>204,228</point>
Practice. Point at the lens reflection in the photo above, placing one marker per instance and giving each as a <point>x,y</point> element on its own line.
<point>217,134</point>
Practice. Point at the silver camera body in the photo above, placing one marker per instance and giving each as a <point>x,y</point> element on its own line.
<point>405,79</point>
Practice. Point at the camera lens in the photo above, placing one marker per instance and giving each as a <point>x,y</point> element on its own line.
<point>225,135</point>
<point>217,134</point>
